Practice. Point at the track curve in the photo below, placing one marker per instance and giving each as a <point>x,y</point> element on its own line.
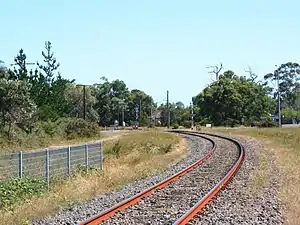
<point>190,214</point>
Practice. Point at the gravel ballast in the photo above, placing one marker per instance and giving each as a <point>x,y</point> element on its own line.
<point>197,147</point>
<point>240,203</point>
<point>168,204</point>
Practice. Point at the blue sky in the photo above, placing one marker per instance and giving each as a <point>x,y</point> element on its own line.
<point>153,45</point>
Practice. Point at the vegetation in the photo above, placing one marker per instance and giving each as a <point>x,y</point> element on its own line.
<point>237,100</point>
<point>132,157</point>
<point>284,146</point>
<point>40,104</point>
<point>18,190</point>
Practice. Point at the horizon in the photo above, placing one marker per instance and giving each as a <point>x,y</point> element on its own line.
<point>153,46</point>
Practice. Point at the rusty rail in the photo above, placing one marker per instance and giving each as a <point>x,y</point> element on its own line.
<point>200,205</point>
<point>110,212</point>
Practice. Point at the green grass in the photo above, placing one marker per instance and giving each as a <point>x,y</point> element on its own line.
<point>18,190</point>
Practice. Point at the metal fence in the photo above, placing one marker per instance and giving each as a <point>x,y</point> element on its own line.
<point>50,164</point>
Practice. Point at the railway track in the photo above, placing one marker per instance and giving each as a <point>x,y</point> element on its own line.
<point>179,198</point>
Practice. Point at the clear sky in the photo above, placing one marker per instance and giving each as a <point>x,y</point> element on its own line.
<point>154,45</point>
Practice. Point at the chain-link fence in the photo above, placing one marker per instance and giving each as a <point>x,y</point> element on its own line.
<point>50,164</point>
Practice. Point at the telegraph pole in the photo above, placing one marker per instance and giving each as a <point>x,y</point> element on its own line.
<point>123,115</point>
<point>140,120</point>
<point>279,106</point>
<point>84,102</point>
<point>192,116</point>
<point>168,109</point>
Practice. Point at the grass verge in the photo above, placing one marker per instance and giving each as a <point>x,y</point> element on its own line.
<point>284,145</point>
<point>130,158</point>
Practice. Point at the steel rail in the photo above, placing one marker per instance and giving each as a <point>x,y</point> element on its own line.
<point>110,212</point>
<point>201,204</point>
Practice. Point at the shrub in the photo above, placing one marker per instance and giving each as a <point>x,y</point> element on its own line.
<point>187,124</point>
<point>204,122</point>
<point>175,126</point>
<point>50,128</point>
<point>17,190</point>
<point>267,123</point>
<point>116,149</point>
<point>81,128</point>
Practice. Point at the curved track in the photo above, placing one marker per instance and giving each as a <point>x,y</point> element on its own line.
<point>181,186</point>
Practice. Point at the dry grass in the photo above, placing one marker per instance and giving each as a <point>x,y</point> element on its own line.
<point>141,155</point>
<point>284,145</point>
<point>36,144</point>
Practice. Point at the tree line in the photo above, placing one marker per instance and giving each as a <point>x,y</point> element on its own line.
<point>244,100</point>
<point>30,97</point>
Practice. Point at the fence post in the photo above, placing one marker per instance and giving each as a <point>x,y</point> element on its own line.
<point>86,157</point>
<point>47,167</point>
<point>21,164</point>
<point>69,161</point>
<point>101,155</point>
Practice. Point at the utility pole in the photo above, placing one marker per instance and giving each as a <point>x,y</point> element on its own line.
<point>279,106</point>
<point>140,120</point>
<point>84,102</point>
<point>168,109</point>
<point>192,116</point>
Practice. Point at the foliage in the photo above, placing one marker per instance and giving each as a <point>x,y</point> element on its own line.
<point>268,122</point>
<point>233,99</point>
<point>287,77</point>
<point>175,126</point>
<point>81,128</point>
<point>16,107</point>
<point>17,190</point>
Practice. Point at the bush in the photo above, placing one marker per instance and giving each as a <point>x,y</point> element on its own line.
<point>187,124</point>
<point>267,123</point>
<point>231,122</point>
<point>116,149</point>
<point>50,128</point>
<point>175,126</point>
<point>18,190</point>
<point>81,128</point>
<point>204,122</point>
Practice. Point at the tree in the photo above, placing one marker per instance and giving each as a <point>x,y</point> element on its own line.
<point>74,101</point>
<point>287,75</point>
<point>102,92</point>
<point>252,75</point>
<point>16,107</point>
<point>3,69</point>
<point>51,65</point>
<point>233,99</point>
<point>215,70</point>
<point>21,73</point>
<point>48,92</point>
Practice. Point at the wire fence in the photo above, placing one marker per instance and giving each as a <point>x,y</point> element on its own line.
<point>51,164</point>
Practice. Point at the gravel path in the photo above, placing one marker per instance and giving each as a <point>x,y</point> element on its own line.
<point>197,149</point>
<point>240,203</point>
<point>167,205</point>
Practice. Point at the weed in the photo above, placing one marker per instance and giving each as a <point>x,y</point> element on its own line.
<point>18,190</point>
<point>116,149</point>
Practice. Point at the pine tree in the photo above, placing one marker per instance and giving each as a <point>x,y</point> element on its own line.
<point>50,63</point>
